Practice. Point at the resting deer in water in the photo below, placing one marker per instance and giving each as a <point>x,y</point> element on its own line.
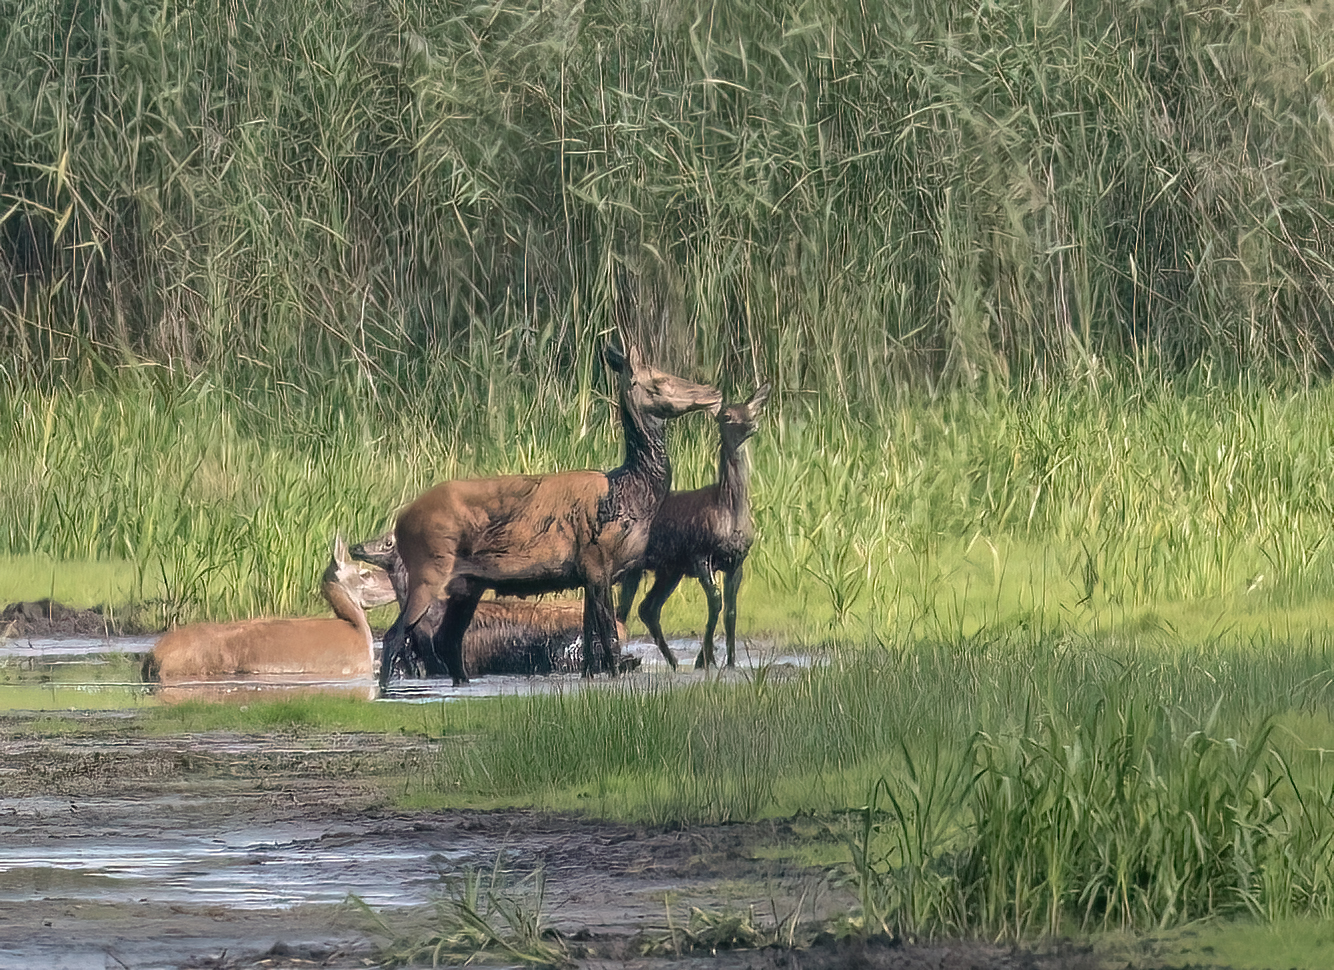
<point>506,636</point>
<point>341,647</point>
<point>702,532</point>
<point>527,534</point>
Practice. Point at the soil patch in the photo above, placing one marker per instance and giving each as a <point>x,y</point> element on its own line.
<point>47,618</point>
<point>227,850</point>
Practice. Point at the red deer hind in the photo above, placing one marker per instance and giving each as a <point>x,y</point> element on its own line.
<point>702,532</point>
<point>528,534</point>
<point>311,646</point>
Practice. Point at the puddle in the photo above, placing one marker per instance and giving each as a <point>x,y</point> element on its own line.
<point>63,673</point>
<point>171,851</point>
<point>178,861</point>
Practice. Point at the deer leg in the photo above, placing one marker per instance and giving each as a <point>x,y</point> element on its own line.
<point>425,636</point>
<point>395,640</point>
<point>459,610</point>
<point>598,610</point>
<point>704,573</point>
<point>731,583</point>
<point>650,609</point>
<point>629,587</point>
<point>413,649</point>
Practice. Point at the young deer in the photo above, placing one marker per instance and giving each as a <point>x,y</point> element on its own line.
<point>702,532</point>
<point>527,534</point>
<point>321,646</point>
<point>506,636</point>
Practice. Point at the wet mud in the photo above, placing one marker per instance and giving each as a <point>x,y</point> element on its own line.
<point>120,849</point>
<point>223,850</point>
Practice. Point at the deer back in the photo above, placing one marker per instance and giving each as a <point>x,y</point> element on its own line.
<point>314,646</point>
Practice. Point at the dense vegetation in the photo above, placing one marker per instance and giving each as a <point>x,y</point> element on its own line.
<point>265,271</point>
<point>1044,289</point>
<point>825,193</point>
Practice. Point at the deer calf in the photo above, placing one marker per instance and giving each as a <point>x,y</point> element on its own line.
<point>702,532</point>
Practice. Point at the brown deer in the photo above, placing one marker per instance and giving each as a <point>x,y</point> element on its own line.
<point>341,647</point>
<point>528,534</point>
<point>702,532</point>
<point>506,636</point>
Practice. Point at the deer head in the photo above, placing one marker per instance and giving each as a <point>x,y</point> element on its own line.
<point>738,422</point>
<point>366,585</point>
<point>647,390</point>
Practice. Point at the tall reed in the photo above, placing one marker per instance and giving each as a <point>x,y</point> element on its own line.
<point>834,197</point>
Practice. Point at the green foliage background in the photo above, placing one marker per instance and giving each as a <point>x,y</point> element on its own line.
<point>839,196</point>
<point>1043,287</point>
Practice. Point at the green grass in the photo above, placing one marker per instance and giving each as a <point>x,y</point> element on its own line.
<point>316,712</point>
<point>840,198</point>
<point>1290,944</point>
<point>1014,785</point>
<point>77,583</point>
<point>1197,511</point>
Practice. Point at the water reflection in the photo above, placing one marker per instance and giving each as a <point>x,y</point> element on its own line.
<point>88,673</point>
<point>278,864</point>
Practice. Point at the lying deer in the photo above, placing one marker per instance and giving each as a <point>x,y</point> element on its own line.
<point>341,647</point>
<point>528,534</point>
<point>702,532</point>
<point>506,636</point>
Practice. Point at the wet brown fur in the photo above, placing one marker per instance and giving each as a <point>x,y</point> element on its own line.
<point>701,532</point>
<point>529,534</point>
<point>506,636</point>
<point>514,636</point>
<point>341,647</point>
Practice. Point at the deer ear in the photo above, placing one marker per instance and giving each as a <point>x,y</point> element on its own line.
<point>340,550</point>
<point>756,403</point>
<point>636,359</point>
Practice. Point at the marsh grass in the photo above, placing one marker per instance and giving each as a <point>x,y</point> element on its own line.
<point>839,199</point>
<point>1012,787</point>
<point>313,712</point>
<point>1196,510</point>
<point>483,917</point>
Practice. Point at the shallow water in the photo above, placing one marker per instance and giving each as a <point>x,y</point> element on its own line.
<point>244,866</point>
<point>186,846</point>
<point>63,673</point>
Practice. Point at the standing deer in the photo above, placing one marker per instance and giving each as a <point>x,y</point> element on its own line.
<point>341,647</point>
<point>506,636</point>
<point>702,532</point>
<point>527,534</point>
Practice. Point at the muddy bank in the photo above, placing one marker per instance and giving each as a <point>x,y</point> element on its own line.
<point>224,850</point>
<point>47,618</point>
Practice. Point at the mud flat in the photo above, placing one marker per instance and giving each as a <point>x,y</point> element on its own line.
<point>218,850</point>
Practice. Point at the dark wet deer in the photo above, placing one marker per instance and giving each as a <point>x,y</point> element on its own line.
<point>699,533</point>
<point>307,646</point>
<point>523,535</point>
<point>506,636</point>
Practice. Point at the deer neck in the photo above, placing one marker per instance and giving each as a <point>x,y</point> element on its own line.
<point>347,608</point>
<point>644,478</point>
<point>734,483</point>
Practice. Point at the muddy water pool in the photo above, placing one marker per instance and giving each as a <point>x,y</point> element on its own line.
<point>123,850</point>
<point>62,673</point>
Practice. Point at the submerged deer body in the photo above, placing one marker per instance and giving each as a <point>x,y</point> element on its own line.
<point>699,533</point>
<point>312,646</point>
<point>528,534</point>
<point>506,636</point>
